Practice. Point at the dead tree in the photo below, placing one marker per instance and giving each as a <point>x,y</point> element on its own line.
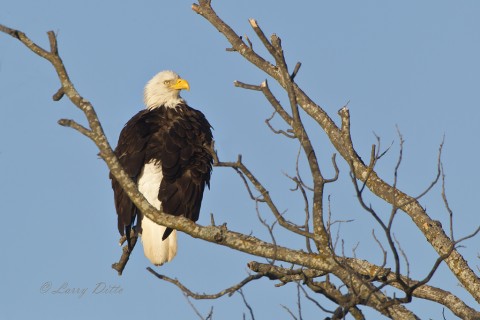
<point>321,267</point>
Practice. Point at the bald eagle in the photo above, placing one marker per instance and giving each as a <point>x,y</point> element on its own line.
<point>165,149</point>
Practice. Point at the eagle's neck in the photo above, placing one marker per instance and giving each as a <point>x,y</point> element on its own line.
<point>169,99</point>
<point>169,104</point>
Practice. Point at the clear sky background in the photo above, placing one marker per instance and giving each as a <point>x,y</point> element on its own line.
<point>412,64</point>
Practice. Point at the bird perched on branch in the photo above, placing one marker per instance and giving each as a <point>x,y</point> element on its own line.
<point>165,149</point>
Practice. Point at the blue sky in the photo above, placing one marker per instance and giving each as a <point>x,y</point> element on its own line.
<point>412,64</point>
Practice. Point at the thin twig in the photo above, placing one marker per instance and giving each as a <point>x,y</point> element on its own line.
<point>252,316</point>
<point>447,206</point>
<point>313,300</point>
<point>335,167</point>
<point>268,227</point>
<point>289,311</point>
<point>196,310</point>
<point>299,303</point>
<point>404,255</point>
<point>286,134</point>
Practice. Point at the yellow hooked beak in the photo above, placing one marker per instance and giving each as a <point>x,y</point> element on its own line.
<point>180,84</point>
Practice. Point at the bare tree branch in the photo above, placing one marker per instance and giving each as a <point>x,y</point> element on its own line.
<point>447,206</point>
<point>286,134</point>
<point>250,310</point>
<point>199,296</point>
<point>289,312</point>
<point>238,165</point>
<point>210,313</point>
<point>341,140</point>
<point>121,264</point>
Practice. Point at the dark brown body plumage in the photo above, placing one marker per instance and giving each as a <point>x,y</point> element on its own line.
<point>178,139</point>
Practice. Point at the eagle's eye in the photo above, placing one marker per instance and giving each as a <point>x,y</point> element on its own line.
<point>166,82</point>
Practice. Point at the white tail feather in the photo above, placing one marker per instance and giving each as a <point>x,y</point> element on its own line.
<point>158,251</point>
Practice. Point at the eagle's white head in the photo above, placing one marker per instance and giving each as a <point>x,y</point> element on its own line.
<point>164,89</point>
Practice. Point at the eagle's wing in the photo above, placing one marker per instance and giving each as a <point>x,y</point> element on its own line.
<point>186,164</point>
<point>131,149</point>
<point>179,140</point>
